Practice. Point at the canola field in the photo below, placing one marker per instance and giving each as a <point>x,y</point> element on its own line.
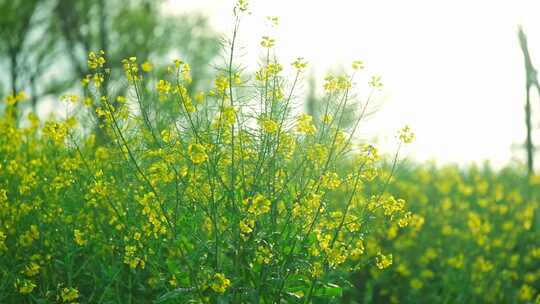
<point>143,188</point>
<point>203,206</point>
<point>474,238</point>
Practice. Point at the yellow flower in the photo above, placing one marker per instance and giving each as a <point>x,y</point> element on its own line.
<point>131,68</point>
<point>131,259</point>
<point>199,97</point>
<point>98,79</point>
<point>28,237</point>
<point>334,83</point>
<point>258,205</point>
<point>358,249</point>
<point>330,180</point>
<point>220,283</point>
<point>79,237</point>
<point>86,80</point>
<point>121,99</point>
<point>246,227</point>
<point>237,78</point>
<point>383,261</point>
<point>173,281</point>
<point>269,125</point>
<point>178,63</point>
<point>316,270</point>
<point>24,286</point>
<point>305,124</point>
<point>14,99</point>
<point>300,64</point>
<point>416,283</point>
<point>327,118</point>
<point>391,206</point>
<point>3,238</point>
<point>163,87</point>
<point>457,261</point>
<point>87,101</point>
<point>228,116</point>
<point>269,71</point>
<point>483,265</point>
<point>273,19</point>
<point>70,98</point>
<point>96,60</point>
<point>31,269</point>
<point>406,135</point>
<point>336,256</point>
<point>267,42</point>
<point>186,73</point>
<point>358,65</point>
<point>222,84</point>
<point>405,220</point>
<point>375,82</point>
<point>242,5</point>
<point>69,294</point>
<point>526,292</point>
<point>147,67</point>
<point>197,153</point>
<point>263,255</point>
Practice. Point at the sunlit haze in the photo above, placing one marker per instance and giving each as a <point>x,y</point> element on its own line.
<point>452,70</point>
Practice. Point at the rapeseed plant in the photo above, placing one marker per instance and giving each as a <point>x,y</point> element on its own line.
<point>231,196</point>
<point>472,238</point>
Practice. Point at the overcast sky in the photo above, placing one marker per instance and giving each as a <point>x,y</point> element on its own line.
<point>452,70</point>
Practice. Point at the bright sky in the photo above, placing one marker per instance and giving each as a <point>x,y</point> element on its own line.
<point>452,69</point>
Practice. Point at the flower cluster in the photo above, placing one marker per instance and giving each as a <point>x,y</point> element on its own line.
<point>472,236</point>
<point>228,195</point>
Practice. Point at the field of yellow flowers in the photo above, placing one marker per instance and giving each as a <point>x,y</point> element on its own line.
<point>152,191</point>
<point>474,238</point>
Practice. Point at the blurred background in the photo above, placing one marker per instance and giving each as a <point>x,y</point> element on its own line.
<point>452,70</point>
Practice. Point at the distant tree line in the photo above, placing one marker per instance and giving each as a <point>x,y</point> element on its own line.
<point>44,44</point>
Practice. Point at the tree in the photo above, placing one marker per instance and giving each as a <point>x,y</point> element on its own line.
<point>531,76</point>
<point>29,46</point>
<point>131,28</point>
<point>47,41</point>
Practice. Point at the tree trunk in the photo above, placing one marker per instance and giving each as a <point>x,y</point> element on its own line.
<point>528,143</point>
<point>14,78</point>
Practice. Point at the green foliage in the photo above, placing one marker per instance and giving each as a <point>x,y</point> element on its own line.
<point>474,239</point>
<point>45,43</point>
<point>28,46</point>
<point>228,196</point>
